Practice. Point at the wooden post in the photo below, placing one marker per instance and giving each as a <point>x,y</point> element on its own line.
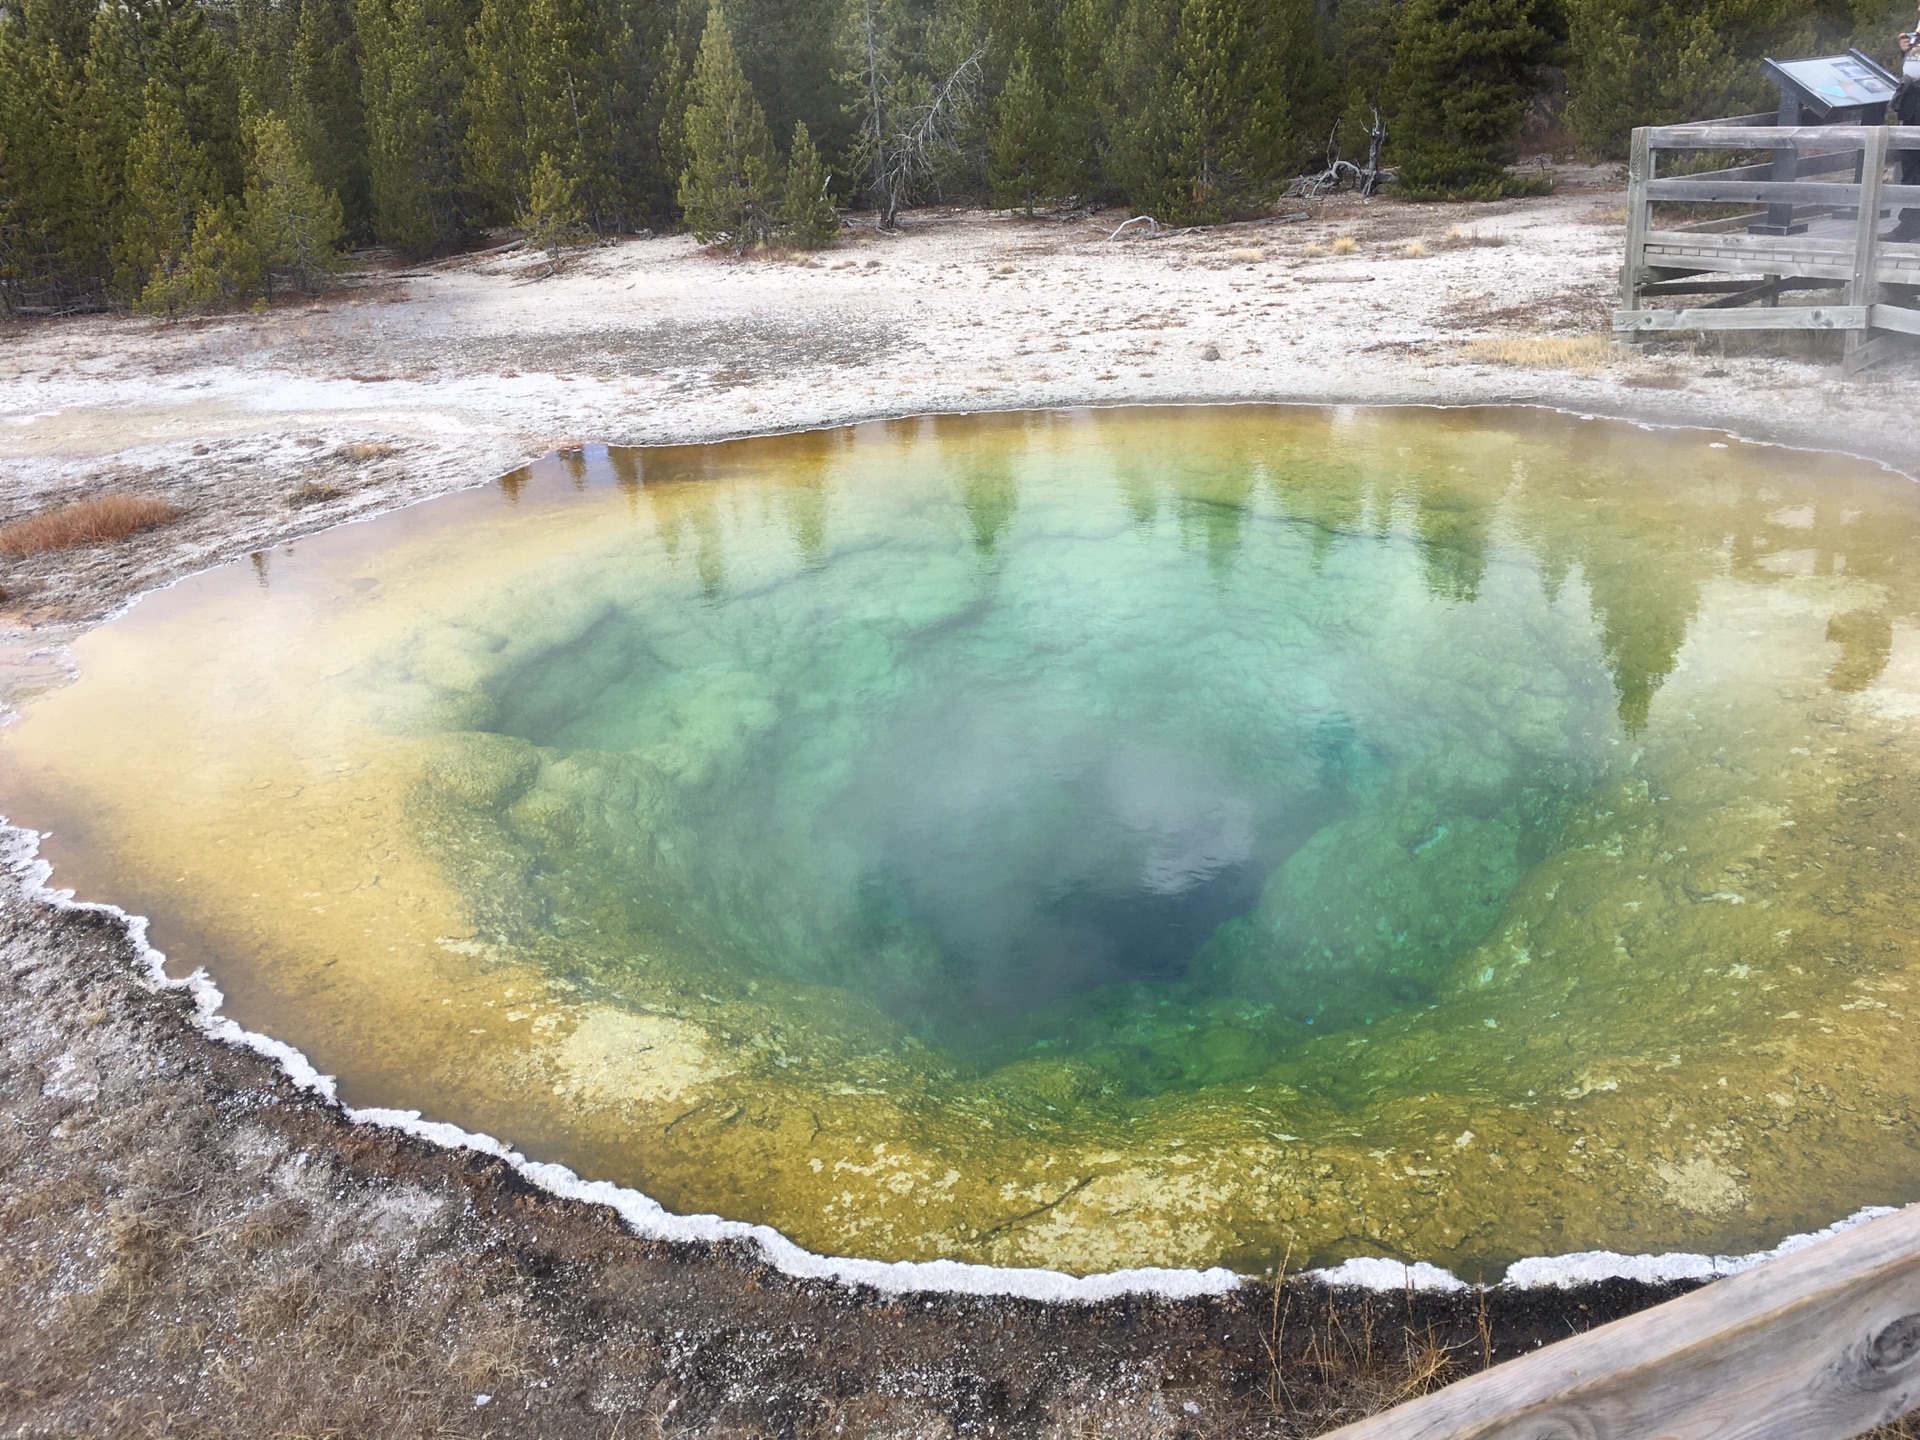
<point>1786,166</point>
<point>1639,171</point>
<point>1820,1344</point>
<point>1864,287</point>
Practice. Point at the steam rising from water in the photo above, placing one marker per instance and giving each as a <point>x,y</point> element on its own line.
<point>1085,841</point>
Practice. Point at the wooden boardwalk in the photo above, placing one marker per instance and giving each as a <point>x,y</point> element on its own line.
<point>1826,185</point>
<point>1821,1344</point>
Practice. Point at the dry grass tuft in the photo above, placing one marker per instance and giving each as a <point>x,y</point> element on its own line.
<point>85,522</point>
<point>1416,250</point>
<point>1907,1429</point>
<point>1584,353</point>
<point>1345,245</point>
<point>1248,257</point>
<point>1458,239</point>
<point>373,450</point>
<point>1314,250</point>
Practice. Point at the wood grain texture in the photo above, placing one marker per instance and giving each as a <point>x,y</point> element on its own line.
<point>1754,192</point>
<point>1839,160</point>
<point>1817,1345</point>
<point>1762,137</point>
<point>1864,287</point>
<point>1894,317</point>
<point>1787,317</point>
<point>1881,347</point>
<point>1639,171</point>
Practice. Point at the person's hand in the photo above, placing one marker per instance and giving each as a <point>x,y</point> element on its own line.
<point>1906,44</point>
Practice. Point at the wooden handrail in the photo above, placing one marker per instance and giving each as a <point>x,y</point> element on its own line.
<point>1817,1345</point>
<point>1777,253</point>
<point>1762,192</point>
<point>1789,137</point>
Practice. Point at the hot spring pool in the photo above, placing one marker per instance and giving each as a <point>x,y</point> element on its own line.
<point>1082,839</point>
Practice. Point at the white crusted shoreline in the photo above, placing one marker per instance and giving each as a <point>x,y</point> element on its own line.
<point>646,1217</point>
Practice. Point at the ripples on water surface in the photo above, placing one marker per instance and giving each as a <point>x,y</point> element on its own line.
<point>1081,839</point>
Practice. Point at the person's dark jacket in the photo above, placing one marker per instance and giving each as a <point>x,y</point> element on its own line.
<point>1906,103</point>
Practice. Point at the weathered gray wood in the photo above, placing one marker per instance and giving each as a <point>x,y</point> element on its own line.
<point>1894,317</point>
<point>1758,137</point>
<point>1817,1345</point>
<point>1765,117</point>
<point>1758,247</point>
<point>1715,136</point>
<point>1871,352</point>
<point>1639,171</point>
<point>1769,290</point>
<point>1840,160</point>
<point>1863,288</point>
<point>1754,192</point>
<point>1789,317</point>
<point>1729,286</point>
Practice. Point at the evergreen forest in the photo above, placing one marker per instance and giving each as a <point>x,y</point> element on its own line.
<point>184,154</point>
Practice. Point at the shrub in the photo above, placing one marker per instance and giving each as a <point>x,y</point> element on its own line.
<point>84,522</point>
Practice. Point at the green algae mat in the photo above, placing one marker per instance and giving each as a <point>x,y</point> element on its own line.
<point>1084,840</point>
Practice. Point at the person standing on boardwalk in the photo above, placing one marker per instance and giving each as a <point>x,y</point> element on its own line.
<point>1906,111</point>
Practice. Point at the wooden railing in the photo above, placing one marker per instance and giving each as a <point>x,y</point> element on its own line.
<point>1822,1344</point>
<point>1825,194</point>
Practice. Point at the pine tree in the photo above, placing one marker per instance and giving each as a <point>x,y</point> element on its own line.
<point>1024,167</point>
<point>547,79</point>
<point>1660,62</point>
<point>324,110</point>
<point>169,181</point>
<point>294,224</point>
<point>792,55</point>
<point>1139,111</point>
<point>53,236</point>
<point>644,84</point>
<point>413,68</point>
<point>1232,108</point>
<point>219,267</point>
<point>727,188</point>
<point>176,44</point>
<point>552,217</point>
<point>807,216</point>
<point>664,116</point>
<point>572,88</point>
<point>1197,118</point>
<point>496,97</point>
<point>1083,95</point>
<point>1464,70</point>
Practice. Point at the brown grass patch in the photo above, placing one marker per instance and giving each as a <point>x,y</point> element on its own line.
<point>1584,353</point>
<point>85,522</point>
<point>370,451</point>
<point>1458,239</point>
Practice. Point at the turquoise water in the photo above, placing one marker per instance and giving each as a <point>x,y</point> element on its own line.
<point>1057,767</point>
<point>1084,840</point>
